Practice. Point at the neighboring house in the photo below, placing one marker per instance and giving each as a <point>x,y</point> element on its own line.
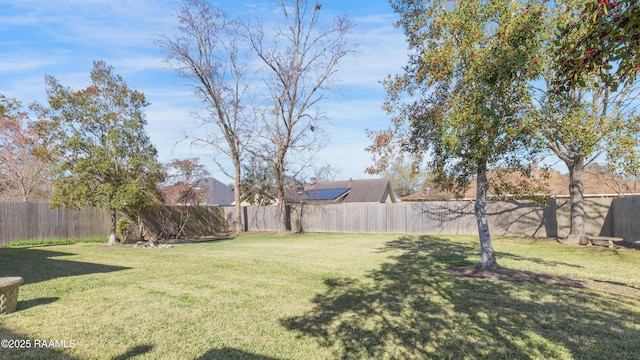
<point>543,185</point>
<point>429,194</point>
<point>216,193</point>
<point>346,191</point>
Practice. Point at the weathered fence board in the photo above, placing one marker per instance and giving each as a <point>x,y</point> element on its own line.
<point>32,221</point>
<point>515,218</point>
<point>626,218</point>
<point>36,221</point>
<point>169,222</point>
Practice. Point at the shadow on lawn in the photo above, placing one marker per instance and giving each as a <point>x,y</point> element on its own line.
<point>36,265</point>
<point>134,351</point>
<point>230,353</point>
<point>413,308</point>
<point>27,304</point>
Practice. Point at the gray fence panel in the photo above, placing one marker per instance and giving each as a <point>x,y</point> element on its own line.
<point>618,217</point>
<point>36,221</point>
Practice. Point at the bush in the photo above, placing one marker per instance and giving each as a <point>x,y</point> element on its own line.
<point>124,228</point>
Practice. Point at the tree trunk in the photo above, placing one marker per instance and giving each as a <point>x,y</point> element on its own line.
<point>112,234</point>
<point>576,198</point>
<point>236,196</point>
<point>282,205</point>
<point>488,256</point>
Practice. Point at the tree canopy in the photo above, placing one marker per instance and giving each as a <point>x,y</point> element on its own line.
<point>96,138</point>
<point>603,40</point>
<point>587,110</point>
<point>463,99</point>
<point>23,176</point>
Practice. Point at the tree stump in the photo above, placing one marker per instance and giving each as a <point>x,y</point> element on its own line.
<point>9,293</point>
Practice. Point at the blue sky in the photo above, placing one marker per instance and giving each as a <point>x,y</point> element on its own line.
<point>63,37</point>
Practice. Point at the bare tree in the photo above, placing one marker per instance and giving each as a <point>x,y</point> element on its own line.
<point>325,173</point>
<point>206,50</point>
<point>258,182</point>
<point>300,59</point>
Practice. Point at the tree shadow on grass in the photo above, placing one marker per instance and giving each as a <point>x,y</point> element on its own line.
<point>549,263</point>
<point>37,264</point>
<point>27,304</point>
<point>134,352</point>
<point>413,308</point>
<point>230,353</point>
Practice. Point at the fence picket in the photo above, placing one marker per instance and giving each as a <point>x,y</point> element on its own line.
<point>605,217</point>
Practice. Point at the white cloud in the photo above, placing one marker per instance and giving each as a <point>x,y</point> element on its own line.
<point>62,38</point>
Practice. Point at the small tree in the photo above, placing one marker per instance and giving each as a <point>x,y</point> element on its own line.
<point>300,59</point>
<point>406,178</point>
<point>97,139</point>
<point>464,99</point>
<point>23,176</point>
<point>181,179</point>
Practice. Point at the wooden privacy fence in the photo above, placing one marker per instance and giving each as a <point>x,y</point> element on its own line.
<point>169,222</point>
<point>37,221</point>
<point>619,217</point>
<point>513,218</point>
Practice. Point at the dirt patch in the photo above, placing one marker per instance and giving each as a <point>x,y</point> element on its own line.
<point>171,241</point>
<point>505,274</point>
<point>197,240</point>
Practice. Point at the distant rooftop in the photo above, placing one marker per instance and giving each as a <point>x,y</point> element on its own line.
<point>365,190</point>
<point>325,194</point>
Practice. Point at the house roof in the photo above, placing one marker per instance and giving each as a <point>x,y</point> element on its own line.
<point>557,184</point>
<point>217,193</point>
<point>326,194</point>
<point>366,190</point>
<point>551,183</point>
<point>594,184</point>
<point>429,194</point>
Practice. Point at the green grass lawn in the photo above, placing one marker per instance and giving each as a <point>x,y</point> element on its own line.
<point>321,296</point>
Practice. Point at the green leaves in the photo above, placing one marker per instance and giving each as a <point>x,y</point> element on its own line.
<point>605,42</point>
<point>464,98</point>
<point>104,157</point>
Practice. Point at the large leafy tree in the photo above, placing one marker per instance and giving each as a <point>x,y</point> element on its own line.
<point>23,176</point>
<point>97,138</point>
<point>590,115</point>
<point>463,99</point>
<point>300,58</point>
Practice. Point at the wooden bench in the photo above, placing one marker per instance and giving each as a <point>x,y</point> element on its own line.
<point>9,293</point>
<point>599,240</point>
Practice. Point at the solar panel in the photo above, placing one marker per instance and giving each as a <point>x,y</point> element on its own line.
<point>325,194</point>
